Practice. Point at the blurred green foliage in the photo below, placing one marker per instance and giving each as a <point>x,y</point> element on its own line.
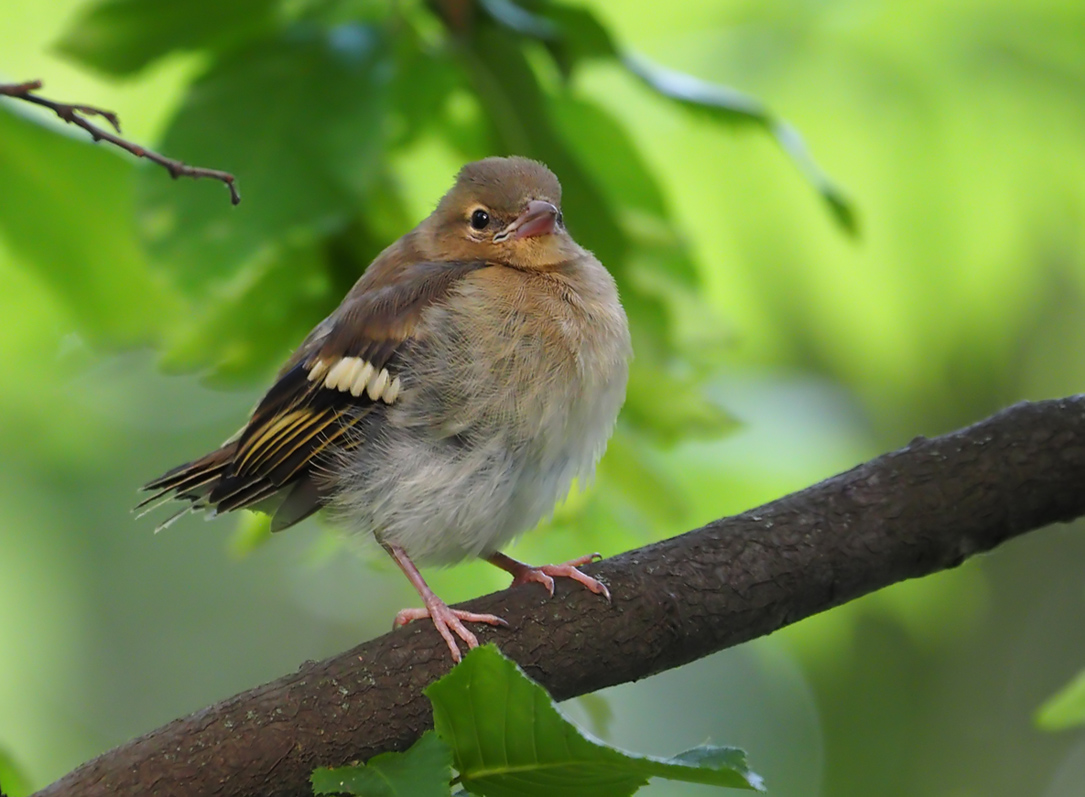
<point>12,782</point>
<point>311,104</point>
<point>956,128</point>
<point>80,212</point>
<point>1066,708</point>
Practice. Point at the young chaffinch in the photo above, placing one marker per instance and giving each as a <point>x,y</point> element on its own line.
<point>475,369</point>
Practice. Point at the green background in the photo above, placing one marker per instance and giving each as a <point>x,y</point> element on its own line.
<point>136,331</point>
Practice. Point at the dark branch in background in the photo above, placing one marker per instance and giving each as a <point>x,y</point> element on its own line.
<point>915,511</point>
<point>74,114</point>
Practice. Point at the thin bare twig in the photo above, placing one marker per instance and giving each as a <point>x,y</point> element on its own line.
<point>74,114</point>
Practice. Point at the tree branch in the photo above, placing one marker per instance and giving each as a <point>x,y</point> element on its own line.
<point>74,114</point>
<point>915,511</point>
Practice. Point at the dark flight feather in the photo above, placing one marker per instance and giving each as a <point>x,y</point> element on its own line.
<point>290,431</point>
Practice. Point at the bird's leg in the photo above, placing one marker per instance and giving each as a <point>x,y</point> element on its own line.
<point>446,619</point>
<point>544,574</point>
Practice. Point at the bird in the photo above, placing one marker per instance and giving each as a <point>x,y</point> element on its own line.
<point>471,374</point>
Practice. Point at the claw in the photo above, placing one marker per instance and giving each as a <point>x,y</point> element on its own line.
<point>545,574</point>
<point>449,621</point>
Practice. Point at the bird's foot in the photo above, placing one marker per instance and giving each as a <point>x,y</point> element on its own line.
<point>449,621</point>
<point>545,574</point>
<point>446,620</point>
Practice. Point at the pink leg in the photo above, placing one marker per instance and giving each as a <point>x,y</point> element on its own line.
<point>524,573</point>
<point>446,620</point>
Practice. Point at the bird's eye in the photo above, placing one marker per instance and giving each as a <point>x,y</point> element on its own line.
<point>480,219</point>
<point>560,219</point>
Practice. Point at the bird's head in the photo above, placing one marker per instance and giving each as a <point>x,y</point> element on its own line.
<point>501,210</point>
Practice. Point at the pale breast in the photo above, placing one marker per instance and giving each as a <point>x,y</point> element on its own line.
<point>510,396</point>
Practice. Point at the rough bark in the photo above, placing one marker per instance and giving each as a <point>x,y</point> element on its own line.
<point>921,509</point>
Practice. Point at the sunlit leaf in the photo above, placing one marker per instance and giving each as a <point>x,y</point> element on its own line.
<point>123,36</point>
<point>722,102</point>
<point>12,781</point>
<point>733,106</point>
<point>573,34</point>
<point>253,530</point>
<point>509,738</point>
<point>1066,708</point>
<point>839,204</point>
<point>422,771</point>
<point>299,121</point>
<point>66,209</point>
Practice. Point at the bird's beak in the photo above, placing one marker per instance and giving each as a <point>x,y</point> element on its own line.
<point>539,218</point>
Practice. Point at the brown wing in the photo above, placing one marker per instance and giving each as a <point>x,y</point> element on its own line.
<point>348,369</point>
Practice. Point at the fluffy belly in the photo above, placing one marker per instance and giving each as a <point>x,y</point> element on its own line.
<point>444,500</point>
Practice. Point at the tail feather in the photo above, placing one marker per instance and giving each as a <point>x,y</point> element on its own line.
<point>165,524</point>
<point>246,495</point>
<point>194,481</point>
<point>182,486</point>
<point>216,460</point>
<point>210,483</point>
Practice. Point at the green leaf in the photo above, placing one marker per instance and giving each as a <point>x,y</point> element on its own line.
<point>66,209</point>
<point>520,112</point>
<point>519,19</point>
<point>721,102</point>
<point>298,119</point>
<point>251,324</point>
<point>581,36</point>
<point>1066,708</point>
<point>420,89</point>
<point>732,106</point>
<point>123,36</point>
<point>574,34</point>
<point>422,771</point>
<point>509,738</point>
<point>839,203</point>
<point>671,405</point>
<point>12,781</point>
<point>660,271</point>
<point>253,530</point>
